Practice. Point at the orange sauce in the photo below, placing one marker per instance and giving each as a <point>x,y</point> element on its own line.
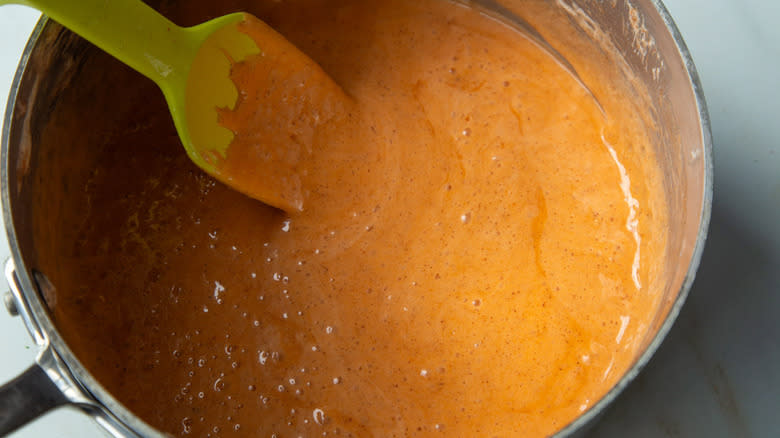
<point>477,253</point>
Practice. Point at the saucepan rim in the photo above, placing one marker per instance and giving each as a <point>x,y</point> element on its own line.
<point>96,401</point>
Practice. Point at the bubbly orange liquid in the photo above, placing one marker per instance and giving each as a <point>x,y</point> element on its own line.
<point>476,256</point>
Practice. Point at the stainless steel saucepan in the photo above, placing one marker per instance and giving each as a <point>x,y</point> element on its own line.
<point>59,78</point>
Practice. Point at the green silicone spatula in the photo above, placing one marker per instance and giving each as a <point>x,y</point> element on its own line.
<point>191,66</point>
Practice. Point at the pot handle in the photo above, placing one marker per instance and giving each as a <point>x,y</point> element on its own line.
<point>28,396</point>
<point>48,383</point>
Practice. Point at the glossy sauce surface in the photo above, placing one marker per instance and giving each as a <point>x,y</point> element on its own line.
<point>478,254</point>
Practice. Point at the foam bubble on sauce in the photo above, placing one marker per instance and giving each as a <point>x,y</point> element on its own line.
<point>186,424</point>
<point>319,416</point>
<point>218,289</point>
<point>219,384</point>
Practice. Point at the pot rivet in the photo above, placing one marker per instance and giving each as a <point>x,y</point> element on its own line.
<point>10,304</point>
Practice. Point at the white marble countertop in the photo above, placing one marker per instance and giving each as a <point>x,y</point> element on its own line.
<point>718,373</point>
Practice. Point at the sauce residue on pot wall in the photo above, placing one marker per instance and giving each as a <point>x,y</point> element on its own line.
<point>479,254</point>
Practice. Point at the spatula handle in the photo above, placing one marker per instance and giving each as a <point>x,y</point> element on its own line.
<point>129,30</point>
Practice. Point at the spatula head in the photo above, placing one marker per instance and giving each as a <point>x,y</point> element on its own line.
<point>249,138</point>
<point>210,90</point>
<point>209,87</point>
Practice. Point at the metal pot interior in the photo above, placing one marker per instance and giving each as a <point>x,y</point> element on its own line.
<point>71,98</point>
